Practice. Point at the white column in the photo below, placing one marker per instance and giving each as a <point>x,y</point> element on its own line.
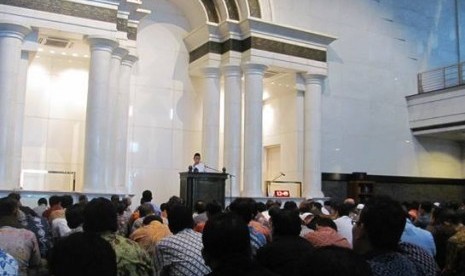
<point>122,123</point>
<point>300,111</point>
<point>312,136</point>
<point>253,125</point>
<point>232,126</point>
<point>11,39</point>
<point>96,125</point>
<point>19,115</point>
<point>211,116</point>
<point>112,114</point>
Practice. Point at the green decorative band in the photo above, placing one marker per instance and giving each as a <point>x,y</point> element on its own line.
<point>258,44</point>
<point>122,24</point>
<point>66,8</point>
<point>132,33</point>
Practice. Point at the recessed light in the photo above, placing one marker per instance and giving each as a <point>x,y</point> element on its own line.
<point>407,141</point>
<point>40,50</point>
<point>75,55</point>
<point>52,52</point>
<point>63,53</point>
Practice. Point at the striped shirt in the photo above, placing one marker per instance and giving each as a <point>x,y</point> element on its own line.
<point>181,254</point>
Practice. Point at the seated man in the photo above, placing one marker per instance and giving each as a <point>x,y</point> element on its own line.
<point>41,206</point>
<point>246,208</point>
<point>82,254</point>
<point>333,260</point>
<point>100,219</point>
<point>418,236</point>
<point>226,247</point>
<point>180,254</point>
<point>16,241</point>
<point>326,234</point>
<point>152,231</point>
<point>282,255</point>
<point>376,236</point>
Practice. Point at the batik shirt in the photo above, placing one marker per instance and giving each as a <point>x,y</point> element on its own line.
<point>257,240</point>
<point>40,227</point>
<point>456,247</point>
<point>131,259</point>
<point>22,245</point>
<point>8,264</point>
<point>392,264</point>
<point>424,262</point>
<point>181,255</point>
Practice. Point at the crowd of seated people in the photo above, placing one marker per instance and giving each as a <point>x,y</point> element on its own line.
<point>105,237</point>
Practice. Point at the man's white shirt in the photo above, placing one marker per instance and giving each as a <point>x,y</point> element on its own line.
<point>200,167</point>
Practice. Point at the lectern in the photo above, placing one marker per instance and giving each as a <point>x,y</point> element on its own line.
<point>202,186</point>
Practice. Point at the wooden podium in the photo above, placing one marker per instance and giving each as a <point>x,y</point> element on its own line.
<point>202,186</point>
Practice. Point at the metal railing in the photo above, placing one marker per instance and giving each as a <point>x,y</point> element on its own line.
<point>441,78</point>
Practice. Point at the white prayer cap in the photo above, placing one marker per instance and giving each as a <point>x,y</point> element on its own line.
<point>305,215</point>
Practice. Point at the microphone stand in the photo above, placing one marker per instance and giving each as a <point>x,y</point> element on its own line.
<point>213,169</point>
<point>280,174</point>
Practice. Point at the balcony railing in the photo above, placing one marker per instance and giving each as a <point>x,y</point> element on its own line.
<point>441,78</point>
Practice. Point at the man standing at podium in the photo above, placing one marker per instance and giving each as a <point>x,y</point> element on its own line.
<point>198,166</point>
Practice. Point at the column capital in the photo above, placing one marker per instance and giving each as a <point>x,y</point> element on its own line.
<point>230,70</point>
<point>101,43</point>
<point>8,29</point>
<point>129,60</point>
<point>314,77</point>
<point>119,53</point>
<point>211,72</point>
<point>254,68</point>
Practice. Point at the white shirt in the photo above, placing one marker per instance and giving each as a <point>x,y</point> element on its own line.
<point>344,227</point>
<point>200,167</point>
<point>60,228</point>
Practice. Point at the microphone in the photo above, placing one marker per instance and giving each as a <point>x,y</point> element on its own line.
<point>280,174</point>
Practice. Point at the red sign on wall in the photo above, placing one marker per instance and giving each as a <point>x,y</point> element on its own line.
<point>282,193</point>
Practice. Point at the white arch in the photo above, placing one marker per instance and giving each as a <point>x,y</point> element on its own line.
<point>196,13</point>
<point>222,10</point>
